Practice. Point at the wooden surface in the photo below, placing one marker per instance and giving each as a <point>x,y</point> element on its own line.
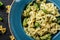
<point>5,21</point>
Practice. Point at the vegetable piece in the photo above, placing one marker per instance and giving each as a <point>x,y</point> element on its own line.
<point>46,37</point>
<point>25,22</point>
<point>1,3</point>
<point>44,10</point>
<point>36,6</point>
<point>37,24</point>
<point>1,19</point>
<point>2,7</point>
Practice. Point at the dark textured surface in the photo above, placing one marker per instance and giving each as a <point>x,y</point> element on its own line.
<point>5,21</point>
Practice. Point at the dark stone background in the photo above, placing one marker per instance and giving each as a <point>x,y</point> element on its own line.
<point>5,21</point>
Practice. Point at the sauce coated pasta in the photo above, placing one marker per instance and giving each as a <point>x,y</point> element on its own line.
<point>41,20</point>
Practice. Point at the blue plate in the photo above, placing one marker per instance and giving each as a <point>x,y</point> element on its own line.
<point>15,19</point>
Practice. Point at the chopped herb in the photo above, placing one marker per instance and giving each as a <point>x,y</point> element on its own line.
<point>2,7</point>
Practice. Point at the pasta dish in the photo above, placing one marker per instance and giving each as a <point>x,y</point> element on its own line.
<point>41,20</point>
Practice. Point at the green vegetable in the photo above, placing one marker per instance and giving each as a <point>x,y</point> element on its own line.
<point>1,3</point>
<point>1,18</point>
<point>25,22</point>
<point>46,37</point>
<point>44,10</point>
<point>36,6</point>
<point>37,24</point>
